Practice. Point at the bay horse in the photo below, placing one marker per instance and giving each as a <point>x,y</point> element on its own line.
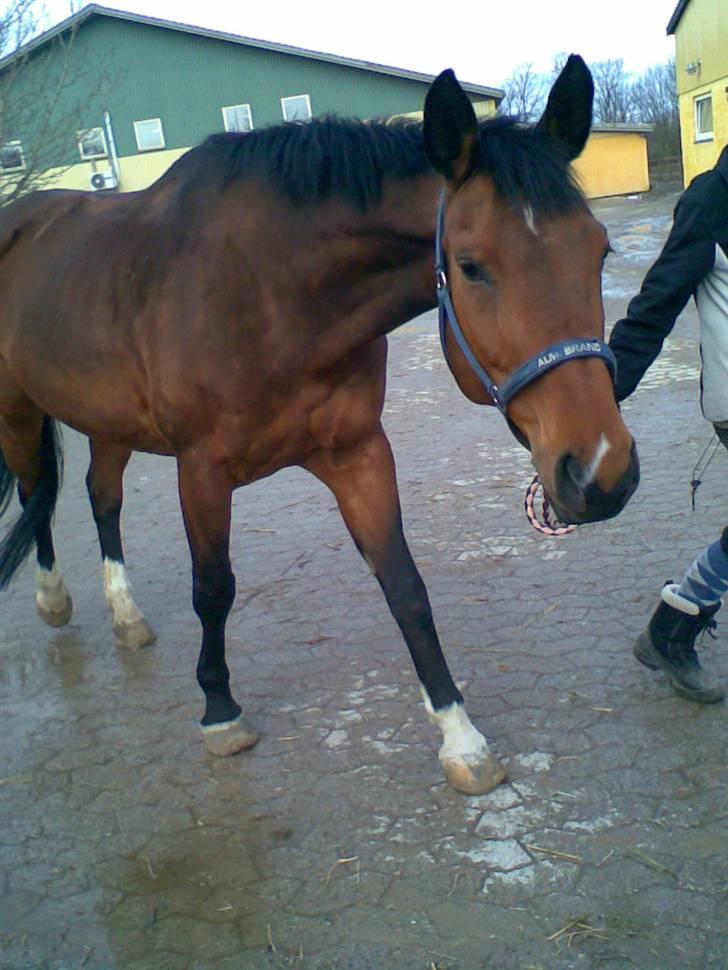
<point>234,315</point>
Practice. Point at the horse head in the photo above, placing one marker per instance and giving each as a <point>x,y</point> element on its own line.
<point>522,258</point>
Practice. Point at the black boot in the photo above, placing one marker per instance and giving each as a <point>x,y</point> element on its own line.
<point>668,644</point>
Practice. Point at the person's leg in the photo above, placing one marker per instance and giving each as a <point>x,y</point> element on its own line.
<point>668,644</point>
<point>686,609</point>
<point>706,581</point>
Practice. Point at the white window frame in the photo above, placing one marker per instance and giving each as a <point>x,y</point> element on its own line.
<point>237,107</point>
<point>296,97</point>
<point>13,143</point>
<point>149,148</point>
<point>703,135</point>
<point>90,156</point>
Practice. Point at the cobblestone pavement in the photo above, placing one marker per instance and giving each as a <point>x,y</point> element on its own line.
<point>336,842</point>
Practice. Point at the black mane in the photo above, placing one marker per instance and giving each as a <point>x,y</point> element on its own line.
<point>333,156</point>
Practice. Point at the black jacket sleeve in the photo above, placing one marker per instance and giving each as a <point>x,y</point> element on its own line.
<point>687,256</point>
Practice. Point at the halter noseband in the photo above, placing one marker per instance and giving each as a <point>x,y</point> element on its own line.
<point>526,373</point>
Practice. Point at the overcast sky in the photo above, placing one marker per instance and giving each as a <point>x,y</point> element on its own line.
<point>483,41</point>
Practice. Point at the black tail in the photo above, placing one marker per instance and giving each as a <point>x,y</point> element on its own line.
<point>38,509</point>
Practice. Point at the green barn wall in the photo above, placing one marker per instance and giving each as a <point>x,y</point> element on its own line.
<point>50,95</point>
<point>185,79</point>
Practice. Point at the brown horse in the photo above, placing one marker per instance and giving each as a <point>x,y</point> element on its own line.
<point>237,321</point>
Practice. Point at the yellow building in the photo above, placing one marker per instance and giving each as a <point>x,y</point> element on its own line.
<point>701,63</point>
<point>614,161</point>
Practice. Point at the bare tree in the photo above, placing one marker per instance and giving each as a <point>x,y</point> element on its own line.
<point>612,93</point>
<point>618,99</point>
<point>559,62</point>
<point>44,96</point>
<point>525,92</point>
<point>654,99</point>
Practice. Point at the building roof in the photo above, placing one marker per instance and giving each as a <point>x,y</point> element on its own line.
<point>623,126</point>
<point>676,15</point>
<point>95,9</point>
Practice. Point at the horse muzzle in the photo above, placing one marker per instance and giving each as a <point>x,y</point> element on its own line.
<point>577,499</point>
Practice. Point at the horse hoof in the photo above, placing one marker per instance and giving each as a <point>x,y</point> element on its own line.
<point>474,779</point>
<point>134,636</point>
<point>59,616</point>
<point>229,738</point>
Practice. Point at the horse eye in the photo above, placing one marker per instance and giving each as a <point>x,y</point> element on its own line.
<point>474,272</point>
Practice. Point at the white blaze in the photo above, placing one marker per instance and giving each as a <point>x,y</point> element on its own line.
<point>530,220</point>
<point>590,472</point>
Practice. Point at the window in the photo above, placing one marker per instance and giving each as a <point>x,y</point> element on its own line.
<point>704,118</point>
<point>91,143</point>
<point>12,158</point>
<point>237,117</point>
<point>297,108</point>
<point>149,134</point>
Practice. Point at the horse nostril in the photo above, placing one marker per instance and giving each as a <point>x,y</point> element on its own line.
<point>573,471</point>
<point>570,474</point>
<point>569,486</point>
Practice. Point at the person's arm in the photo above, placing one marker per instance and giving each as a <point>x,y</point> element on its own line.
<point>686,258</point>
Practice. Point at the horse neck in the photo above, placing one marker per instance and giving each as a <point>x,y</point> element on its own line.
<point>380,265</point>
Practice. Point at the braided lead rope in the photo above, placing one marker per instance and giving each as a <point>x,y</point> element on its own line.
<point>548,524</point>
<point>701,467</point>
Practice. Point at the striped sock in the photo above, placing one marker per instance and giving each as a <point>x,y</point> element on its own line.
<point>706,581</point>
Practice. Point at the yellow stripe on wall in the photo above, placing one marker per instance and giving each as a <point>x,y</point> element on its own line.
<point>612,163</point>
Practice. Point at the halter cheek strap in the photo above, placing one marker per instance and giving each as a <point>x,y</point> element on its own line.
<point>526,373</point>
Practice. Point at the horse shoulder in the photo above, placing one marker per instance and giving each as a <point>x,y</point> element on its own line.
<point>352,407</point>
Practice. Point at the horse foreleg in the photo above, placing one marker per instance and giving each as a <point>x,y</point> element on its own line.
<point>364,484</point>
<point>205,495</point>
<point>105,490</point>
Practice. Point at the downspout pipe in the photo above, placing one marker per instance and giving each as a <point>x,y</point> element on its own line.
<point>113,157</point>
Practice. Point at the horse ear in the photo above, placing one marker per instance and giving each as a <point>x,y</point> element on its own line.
<point>450,129</point>
<point>568,114</point>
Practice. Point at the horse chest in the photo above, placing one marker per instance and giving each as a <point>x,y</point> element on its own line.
<point>350,407</point>
<point>333,415</point>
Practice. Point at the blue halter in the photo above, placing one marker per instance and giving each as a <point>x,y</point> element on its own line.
<point>526,373</point>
